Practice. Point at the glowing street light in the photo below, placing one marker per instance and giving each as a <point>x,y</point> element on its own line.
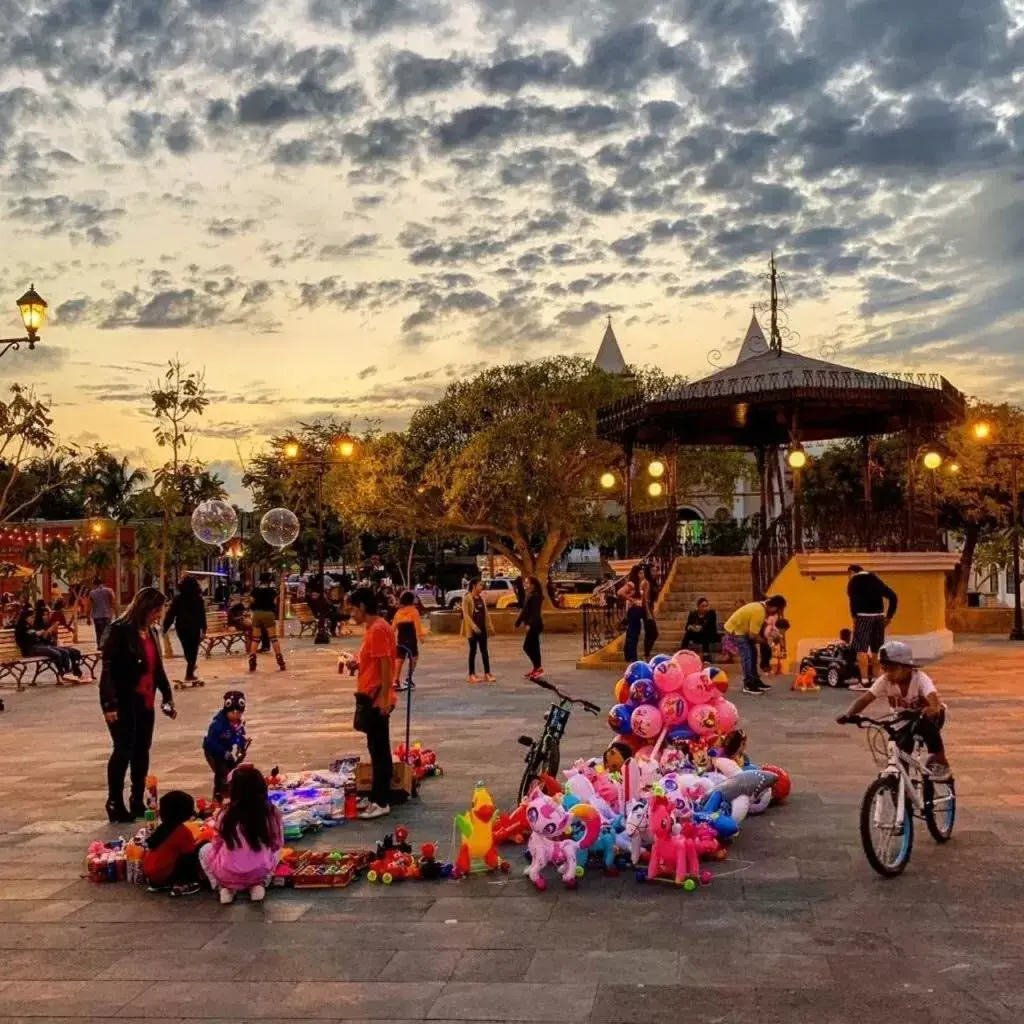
<point>32,307</point>
<point>291,450</point>
<point>797,457</point>
<point>982,431</point>
<point>656,469</point>
<point>654,489</point>
<point>607,481</point>
<point>932,459</point>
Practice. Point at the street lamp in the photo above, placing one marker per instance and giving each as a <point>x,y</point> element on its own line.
<point>654,489</point>
<point>656,469</point>
<point>607,481</point>
<point>932,460</point>
<point>1015,452</point>
<point>797,457</point>
<point>32,307</point>
<point>344,449</point>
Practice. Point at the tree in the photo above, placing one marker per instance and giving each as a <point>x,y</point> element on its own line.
<point>178,399</point>
<point>113,486</point>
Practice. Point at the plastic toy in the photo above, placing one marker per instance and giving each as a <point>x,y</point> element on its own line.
<point>429,867</point>
<point>719,677</point>
<point>422,760</point>
<point>549,843</point>
<point>151,796</point>
<point>319,869</point>
<point>806,681</point>
<point>674,856</point>
<point>605,848</point>
<point>512,827</point>
<point>833,665</point>
<point>475,836</point>
<point>638,830</point>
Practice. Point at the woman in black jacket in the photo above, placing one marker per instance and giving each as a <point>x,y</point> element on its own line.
<point>133,673</point>
<point>530,616</point>
<point>188,614</point>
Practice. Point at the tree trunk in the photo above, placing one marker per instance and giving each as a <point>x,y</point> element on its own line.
<point>408,564</point>
<point>961,576</point>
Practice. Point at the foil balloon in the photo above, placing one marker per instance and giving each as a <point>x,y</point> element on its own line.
<point>646,721</point>
<point>668,677</point>
<point>703,720</point>
<point>698,689</point>
<point>673,710</point>
<point>214,522</point>
<point>688,661</point>
<point>728,715</point>
<point>279,527</point>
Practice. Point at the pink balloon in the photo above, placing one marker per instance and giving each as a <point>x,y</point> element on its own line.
<point>703,720</point>
<point>646,721</point>
<point>728,715</point>
<point>688,662</point>
<point>668,677</point>
<point>698,689</point>
<point>673,710</point>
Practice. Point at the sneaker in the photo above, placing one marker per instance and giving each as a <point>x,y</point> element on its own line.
<point>489,678</point>
<point>186,889</point>
<point>472,679</point>
<point>227,896</point>
<point>374,811</point>
<point>753,689</point>
<point>256,893</point>
<point>858,688</point>
<point>362,803</point>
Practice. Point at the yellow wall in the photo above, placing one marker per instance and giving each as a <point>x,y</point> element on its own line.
<point>817,607</point>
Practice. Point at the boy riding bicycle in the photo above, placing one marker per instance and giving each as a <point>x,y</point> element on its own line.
<point>907,688</point>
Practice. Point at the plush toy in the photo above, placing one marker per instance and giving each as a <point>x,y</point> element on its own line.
<point>549,843</point>
<point>673,856</point>
<point>475,833</point>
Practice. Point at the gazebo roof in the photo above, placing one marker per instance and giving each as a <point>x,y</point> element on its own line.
<point>757,401</point>
<point>609,355</point>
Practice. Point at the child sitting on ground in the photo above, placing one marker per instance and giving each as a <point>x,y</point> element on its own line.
<point>170,861</point>
<point>408,632</point>
<point>226,744</point>
<point>734,747</point>
<point>616,756</point>
<point>249,839</point>
<point>907,688</point>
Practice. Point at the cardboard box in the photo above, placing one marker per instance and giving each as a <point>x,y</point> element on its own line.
<point>402,780</point>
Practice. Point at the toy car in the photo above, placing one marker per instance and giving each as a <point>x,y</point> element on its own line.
<point>831,667</point>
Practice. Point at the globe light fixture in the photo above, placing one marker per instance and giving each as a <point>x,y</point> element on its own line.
<point>655,489</point>
<point>982,431</point>
<point>32,307</point>
<point>607,481</point>
<point>291,450</point>
<point>656,469</point>
<point>954,467</point>
<point>932,460</point>
<point>797,458</point>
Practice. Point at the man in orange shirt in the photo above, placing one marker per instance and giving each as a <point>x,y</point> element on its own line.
<point>375,696</point>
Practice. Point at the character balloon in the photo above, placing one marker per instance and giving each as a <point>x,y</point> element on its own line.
<point>214,522</point>
<point>673,710</point>
<point>279,527</point>
<point>688,662</point>
<point>668,677</point>
<point>728,715</point>
<point>646,721</point>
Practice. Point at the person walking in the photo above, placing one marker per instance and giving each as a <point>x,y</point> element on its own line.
<point>187,613</point>
<point>375,697</point>
<point>872,607</point>
<point>631,595</point>
<point>133,673</point>
<point>531,616</point>
<point>746,628</point>
<point>477,626</point>
<point>264,620</point>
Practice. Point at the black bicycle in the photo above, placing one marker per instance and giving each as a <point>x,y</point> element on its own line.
<point>544,755</point>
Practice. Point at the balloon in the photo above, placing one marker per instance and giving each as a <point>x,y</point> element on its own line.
<point>681,733</point>
<point>703,720</point>
<point>673,710</point>
<point>668,677</point>
<point>782,786</point>
<point>728,715</point>
<point>618,719</point>
<point>214,522</point>
<point>279,527</point>
<point>698,689</point>
<point>646,721</point>
<point>659,659</point>
<point>621,692</point>
<point>719,677</point>
<point>637,670</point>
<point>688,662</point>
<point>642,692</point>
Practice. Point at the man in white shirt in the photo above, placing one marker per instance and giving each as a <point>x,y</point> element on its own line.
<point>907,688</point>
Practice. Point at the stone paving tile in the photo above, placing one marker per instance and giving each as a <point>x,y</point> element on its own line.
<point>531,907</point>
<point>176,965</point>
<point>68,998</point>
<point>493,966</point>
<point>39,911</point>
<point>421,965</point>
<point>67,936</point>
<point>512,1001</point>
<point>46,965</point>
<point>671,1004</point>
<point>650,966</point>
<point>293,963</point>
<point>34,889</point>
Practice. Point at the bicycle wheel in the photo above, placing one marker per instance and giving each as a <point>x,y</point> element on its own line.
<point>887,842</point>
<point>530,772</point>
<point>940,809</point>
<point>552,758</point>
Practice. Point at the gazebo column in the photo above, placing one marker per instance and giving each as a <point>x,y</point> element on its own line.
<point>869,520</point>
<point>628,488</point>
<point>798,496</point>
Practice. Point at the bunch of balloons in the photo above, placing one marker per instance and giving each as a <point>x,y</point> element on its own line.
<point>678,695</point>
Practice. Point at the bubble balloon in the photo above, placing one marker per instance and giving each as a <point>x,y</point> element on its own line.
<point>214,522</point>
<point>673,709</point>
<point>646,721</point>
<point>619,717</point>
<point>703,720</point>
<point>688,662</point>
<point>698,689</point>
<point>668,677</point>
<point>637,670</point>
<point>279,527</point>
<point>642,692</point>
<point>728,715</point>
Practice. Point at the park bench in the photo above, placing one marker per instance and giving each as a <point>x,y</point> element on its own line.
<point>305,618</point>
<point>220,634</point>
<point>15,665</point>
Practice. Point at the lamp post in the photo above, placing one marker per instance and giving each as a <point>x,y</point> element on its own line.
<point>1015,452</point>
<point>343,449</point>
<point>32,307</point>
<point>797,460</point>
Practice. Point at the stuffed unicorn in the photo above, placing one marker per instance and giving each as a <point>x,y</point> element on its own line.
<point>549,841</point>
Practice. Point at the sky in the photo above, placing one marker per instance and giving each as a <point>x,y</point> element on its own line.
<point>336,207</point>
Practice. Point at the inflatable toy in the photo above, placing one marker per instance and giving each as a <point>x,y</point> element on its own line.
<point>619,716</point>
<point>668,677</point>
<point>646,721</point>
<point>637,670</point>
<point>475,836</point>
<point>549,842</point>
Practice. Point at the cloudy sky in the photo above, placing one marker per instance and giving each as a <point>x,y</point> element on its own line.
<point>337,206</point>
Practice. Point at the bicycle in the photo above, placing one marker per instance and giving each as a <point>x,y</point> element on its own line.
<point>544,754</point>
<point>886,820</point>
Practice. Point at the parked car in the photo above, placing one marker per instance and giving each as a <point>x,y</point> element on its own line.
<point>498,593</point>
<point>575,593</point>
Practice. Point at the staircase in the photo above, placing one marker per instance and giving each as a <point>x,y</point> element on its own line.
<point>723,580</point>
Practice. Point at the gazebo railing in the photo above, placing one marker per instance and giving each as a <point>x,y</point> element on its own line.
<point>773,551</point>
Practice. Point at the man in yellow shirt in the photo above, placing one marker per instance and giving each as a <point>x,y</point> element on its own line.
<point>746,626</point>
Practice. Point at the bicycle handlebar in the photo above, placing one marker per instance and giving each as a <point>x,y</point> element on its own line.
<point>866,721</point>
<point>585,704</point>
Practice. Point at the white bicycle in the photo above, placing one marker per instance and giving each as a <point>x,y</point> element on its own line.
<point>904,789</point>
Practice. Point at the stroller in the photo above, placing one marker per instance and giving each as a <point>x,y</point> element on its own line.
<point>834,664</point>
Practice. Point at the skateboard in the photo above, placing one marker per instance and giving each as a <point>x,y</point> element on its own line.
<point>191,684</point>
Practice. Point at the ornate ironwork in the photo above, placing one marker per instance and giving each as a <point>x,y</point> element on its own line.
<point>773,551</point>
<point>602,623</point>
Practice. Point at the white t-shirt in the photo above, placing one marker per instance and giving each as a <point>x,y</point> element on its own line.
<point>920,689</point>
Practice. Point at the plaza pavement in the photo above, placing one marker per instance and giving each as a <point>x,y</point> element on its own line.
<point>795,927</point>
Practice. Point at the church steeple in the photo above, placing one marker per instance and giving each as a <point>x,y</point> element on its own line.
<point>609,355</point>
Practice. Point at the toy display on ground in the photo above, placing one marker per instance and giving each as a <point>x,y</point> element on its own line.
<point>422,760</point>
<point>312,800</point>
